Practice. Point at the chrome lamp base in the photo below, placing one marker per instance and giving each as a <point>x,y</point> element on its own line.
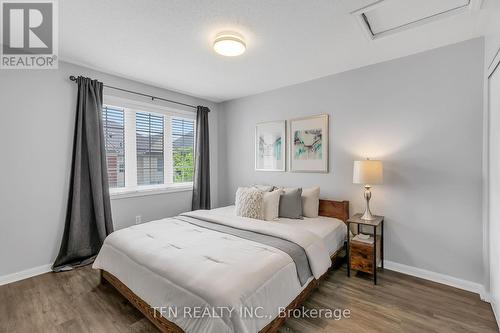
<point>368,214</point>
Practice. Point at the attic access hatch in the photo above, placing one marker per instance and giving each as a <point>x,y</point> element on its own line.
<point>386,17</point>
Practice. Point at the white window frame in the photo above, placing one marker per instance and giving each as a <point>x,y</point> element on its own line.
<point>131,188</point>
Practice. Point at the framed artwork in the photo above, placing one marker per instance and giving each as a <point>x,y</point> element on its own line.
<point>270,146</point>
<point>308,140</point>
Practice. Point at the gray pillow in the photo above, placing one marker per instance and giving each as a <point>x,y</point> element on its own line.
<point>291,203</point>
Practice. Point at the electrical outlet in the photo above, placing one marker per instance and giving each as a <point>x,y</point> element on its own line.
<point>138,219</point>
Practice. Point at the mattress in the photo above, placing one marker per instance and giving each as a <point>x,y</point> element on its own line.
<point>174,265</point>
<point>333,231</point>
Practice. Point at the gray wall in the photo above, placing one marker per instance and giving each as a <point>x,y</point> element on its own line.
<point>421,115</point>
<point>37,114</point>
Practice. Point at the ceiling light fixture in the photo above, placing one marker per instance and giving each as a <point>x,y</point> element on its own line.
<point>229,44</point>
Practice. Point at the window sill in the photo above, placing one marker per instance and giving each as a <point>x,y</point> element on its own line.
<point>149,191</point>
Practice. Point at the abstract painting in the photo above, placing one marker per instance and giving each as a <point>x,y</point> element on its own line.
<point>270,146</point>
<point>309,144</point>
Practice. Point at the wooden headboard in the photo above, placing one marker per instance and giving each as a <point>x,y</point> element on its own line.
<point>336,209</point>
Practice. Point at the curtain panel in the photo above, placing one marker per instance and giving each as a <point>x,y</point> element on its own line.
<point>88,216</point>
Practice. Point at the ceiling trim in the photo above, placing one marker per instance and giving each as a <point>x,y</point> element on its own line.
<point>360,15</point>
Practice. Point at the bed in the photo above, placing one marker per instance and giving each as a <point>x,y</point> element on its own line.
<point>226,280</point>
<point>331,230</point>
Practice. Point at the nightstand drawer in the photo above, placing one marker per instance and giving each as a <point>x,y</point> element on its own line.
<point>362,256</point>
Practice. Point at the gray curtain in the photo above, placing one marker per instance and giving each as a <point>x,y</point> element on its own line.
<point>201,181</point>
<point>88,216</point>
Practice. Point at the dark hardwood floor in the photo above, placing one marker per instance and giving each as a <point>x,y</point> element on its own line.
<point>75,302</point>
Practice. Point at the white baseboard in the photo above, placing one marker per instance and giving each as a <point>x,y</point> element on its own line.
<point>391,265</point>
<point>9,278</point>
<point>439,278</point>
<point>495,310</point>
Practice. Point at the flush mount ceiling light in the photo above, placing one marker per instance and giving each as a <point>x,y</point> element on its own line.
<point>229,44</point>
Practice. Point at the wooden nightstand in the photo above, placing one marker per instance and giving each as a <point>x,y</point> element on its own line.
<point>363,256</point>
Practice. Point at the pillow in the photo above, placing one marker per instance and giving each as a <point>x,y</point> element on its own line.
<point>291,203</point>
<point>271,205</point>
<point>310,202</point>
<point>263,188</point>
<point>249,202</point>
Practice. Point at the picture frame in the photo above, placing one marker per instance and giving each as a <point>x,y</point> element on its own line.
<point>308,144</point>
<point>270,146</point>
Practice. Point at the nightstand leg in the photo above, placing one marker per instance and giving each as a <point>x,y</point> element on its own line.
<point>374,255</point>
<point>348,251</point>
<point>382,245</point>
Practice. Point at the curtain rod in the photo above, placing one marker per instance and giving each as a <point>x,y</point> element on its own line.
<point>73,78</point>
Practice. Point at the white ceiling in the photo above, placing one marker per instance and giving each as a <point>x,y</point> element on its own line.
<point>167,43</point>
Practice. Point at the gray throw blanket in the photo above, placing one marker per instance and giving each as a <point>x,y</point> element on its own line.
<point>295,251</point>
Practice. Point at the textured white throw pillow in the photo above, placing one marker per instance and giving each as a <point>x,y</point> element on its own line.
<point>271,205</point>
<point>310,202</point>
<point>249,203</point>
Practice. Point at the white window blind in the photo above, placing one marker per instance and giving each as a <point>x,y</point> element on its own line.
<point>150,148</point>
<point>114,133</point>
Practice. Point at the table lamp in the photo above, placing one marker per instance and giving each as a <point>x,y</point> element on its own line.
<point>367,173</point>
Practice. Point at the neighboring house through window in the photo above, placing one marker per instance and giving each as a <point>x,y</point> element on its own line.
<point>114,133</point>
<point>149,129</point>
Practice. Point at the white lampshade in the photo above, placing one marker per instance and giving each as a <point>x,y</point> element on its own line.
<point>368,172</point>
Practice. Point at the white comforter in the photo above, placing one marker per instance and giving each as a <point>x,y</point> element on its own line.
<point>184,268</point>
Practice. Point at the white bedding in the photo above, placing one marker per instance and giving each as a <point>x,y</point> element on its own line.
<point>172,263</point>
<point>333,231</point>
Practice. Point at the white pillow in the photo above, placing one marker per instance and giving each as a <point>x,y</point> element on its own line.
<point>310,202</point>
<point>249,202</point>
<point>271,205</point>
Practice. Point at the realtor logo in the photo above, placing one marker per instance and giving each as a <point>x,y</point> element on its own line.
<point>29,34</point>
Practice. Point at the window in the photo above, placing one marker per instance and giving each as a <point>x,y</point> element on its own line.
<point>147,147</point>
<point>150,148</point>
<point>113,120</point>
<point>183,149</point>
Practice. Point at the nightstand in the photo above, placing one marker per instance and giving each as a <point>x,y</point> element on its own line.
<point>363,256</point>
